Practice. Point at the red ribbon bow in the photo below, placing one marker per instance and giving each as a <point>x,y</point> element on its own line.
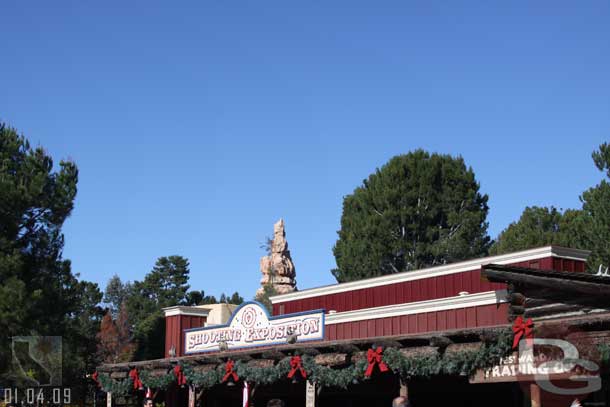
<point>180,377</point>
<point>229,372</point>
<point>95,377</point>
<point>296,364</point>
<point>522,328</point>
<point>374,357</point>
<point>135,378</point>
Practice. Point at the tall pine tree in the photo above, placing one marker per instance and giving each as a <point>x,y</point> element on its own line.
<point>418,210</point>
<point>39,293</point>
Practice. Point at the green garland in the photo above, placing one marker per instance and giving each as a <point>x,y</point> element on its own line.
<point>460,363</point>
<point>604,353</point>
<point>156,382</point>
<point>118,387</point>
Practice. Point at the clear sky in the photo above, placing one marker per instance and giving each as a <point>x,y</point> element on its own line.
<point>196,125</point>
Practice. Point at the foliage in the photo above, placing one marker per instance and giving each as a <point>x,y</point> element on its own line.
<point>263,296</point>
<point>463,363</point>
<point>417,210</point>
<point>587,228</point>
<point>200,298</point>
<point>604,351</point>
<point>267,245</point>
<point>596,224</point>
<point>601,158</point>
<point>108,340</point>
<point>116,294</point>
<point>165,285</point>
<point>540,226</point>
<point>40,295</point>
<point>115,342</point>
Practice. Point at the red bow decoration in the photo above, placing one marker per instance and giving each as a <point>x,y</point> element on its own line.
<point>374,357</point>
<point>95,377</point>
<point>229,372</point>
<point>180,377</point>
<point>296,365</point>
<point>135,378</point>
<point>522,328</point>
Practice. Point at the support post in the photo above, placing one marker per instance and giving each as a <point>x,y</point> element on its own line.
<point>404,389</point>
<point>310,394</point>
<point>191,396</point>
<point>535,395</point>
<point>108,399</point>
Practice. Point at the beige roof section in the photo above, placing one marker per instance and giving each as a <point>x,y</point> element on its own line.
<point>217,314</point>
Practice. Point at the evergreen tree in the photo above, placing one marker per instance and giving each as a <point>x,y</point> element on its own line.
<point>39,294</point>
<point>165,286</point>
<point>236,299</point>
<point>541,226</point>
<point>596,208</point>
<point>418,210</point>
<point>587,228</point>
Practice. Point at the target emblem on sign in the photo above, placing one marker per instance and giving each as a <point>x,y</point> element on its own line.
<point>249,317</point>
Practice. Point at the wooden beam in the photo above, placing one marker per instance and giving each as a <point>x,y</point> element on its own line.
<point>332,359</point>
<point>552,309</point>
<point>204,368</point>
<point>260,363</point>
<point>457,348</point>
<point>440,342</point>
<point>274,354</point>
<point>419,351</point>
<point>583,287</point>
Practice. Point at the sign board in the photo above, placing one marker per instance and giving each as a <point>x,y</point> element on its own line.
<point>250,326</point>
<point>525,368</point>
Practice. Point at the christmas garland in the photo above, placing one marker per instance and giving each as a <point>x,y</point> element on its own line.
<point>304,367</point>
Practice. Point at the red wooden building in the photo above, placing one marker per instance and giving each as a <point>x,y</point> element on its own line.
<point>452,296</point>
<point>463,304</point>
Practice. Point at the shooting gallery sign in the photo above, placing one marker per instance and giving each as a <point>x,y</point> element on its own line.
<point>250,326</point>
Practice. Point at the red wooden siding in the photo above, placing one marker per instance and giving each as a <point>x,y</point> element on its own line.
<point>174,326</point>
<point>400,293</point>
<point>417,290</point>
<point>471,317</point>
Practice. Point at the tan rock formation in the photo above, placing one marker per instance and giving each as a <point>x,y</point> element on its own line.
<point>278,268</point>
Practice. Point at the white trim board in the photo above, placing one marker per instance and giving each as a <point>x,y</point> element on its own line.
<point>185,310</point>
<point>453,268</point>
<point>442,304</point>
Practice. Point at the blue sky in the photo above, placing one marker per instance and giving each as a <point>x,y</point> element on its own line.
<point>196,125</point>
